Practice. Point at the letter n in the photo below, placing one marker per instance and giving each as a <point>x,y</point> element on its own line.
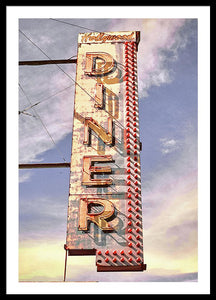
<point>105,136</point>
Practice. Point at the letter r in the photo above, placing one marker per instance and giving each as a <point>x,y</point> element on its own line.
<point>99,218</point>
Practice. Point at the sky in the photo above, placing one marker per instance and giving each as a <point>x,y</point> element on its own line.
<point>168,110</point>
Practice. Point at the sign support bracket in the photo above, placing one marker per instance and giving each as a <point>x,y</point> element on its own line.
<point>44,165</point>
<point>47,62</point>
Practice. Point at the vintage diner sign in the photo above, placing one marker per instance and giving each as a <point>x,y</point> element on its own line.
<point>104,206</point>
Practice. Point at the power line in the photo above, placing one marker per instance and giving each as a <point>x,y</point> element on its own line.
<point>79,27</point>
<point>34,43</point>
<point>70,76</point>
<point>25,113</point>
<point>74,25</point>
<point>66,74</point>
<point>45,99</point>
<point>55,64</point>
<point>44,126</point>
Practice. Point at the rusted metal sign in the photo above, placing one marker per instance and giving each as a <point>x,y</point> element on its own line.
<point>105,207</point>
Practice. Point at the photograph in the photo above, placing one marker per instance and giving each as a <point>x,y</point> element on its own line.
<point>108,133</point>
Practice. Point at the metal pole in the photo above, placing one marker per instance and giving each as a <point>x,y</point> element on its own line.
<point>47,62</point>
<point>45,165</point>
<point>65,268</point>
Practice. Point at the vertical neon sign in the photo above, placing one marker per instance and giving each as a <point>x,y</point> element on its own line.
<point>105,207</point>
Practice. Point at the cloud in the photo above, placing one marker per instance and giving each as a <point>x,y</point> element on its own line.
<point>170,229</point>
<point>53,115</point>
<point>160,40</point>
<point>42,217</point>
<point>170,207</point>
<point>36,264</point>
<point>39,261</point>
<point>24,176</point>
<point>169,195</point>
<point>168,145</point>
<point>39,83</point>
<point>160,43</point>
